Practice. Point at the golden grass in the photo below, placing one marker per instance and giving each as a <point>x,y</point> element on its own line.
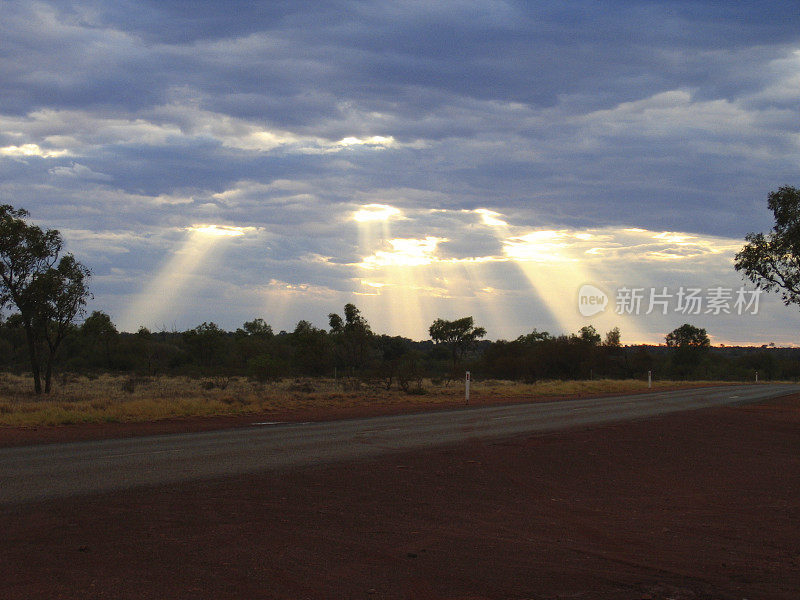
<point>114,398</point>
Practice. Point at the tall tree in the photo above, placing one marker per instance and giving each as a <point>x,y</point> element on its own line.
<point>459,335</point>
<point>772,260</point>
<point>613,338</point>
<point>253,339</point>
<point>353,338</point>
<point>310,355</point>
<point>60,295</point>
<point>48,292</point>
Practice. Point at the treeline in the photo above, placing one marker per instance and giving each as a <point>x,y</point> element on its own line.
<point>568,357</point>
<point>350,349</point>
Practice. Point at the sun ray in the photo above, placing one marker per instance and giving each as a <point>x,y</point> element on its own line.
<point>413,280</point>
<point>490,305</point>
<point>556,276</point>
<point>394,283</point>
<point>177,278</point>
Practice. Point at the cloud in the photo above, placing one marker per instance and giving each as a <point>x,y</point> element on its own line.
<point>516,135</point>
<point>79,171</point>
<point>26,150</point>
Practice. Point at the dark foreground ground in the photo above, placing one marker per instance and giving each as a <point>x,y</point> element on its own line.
<point>702,504</point>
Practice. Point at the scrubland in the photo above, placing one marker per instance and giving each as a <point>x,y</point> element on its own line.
<point>124,398</point>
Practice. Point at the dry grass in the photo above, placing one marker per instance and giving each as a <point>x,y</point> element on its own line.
<point>113,398</point>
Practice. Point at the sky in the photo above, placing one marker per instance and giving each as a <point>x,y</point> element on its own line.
<point>222,161</point>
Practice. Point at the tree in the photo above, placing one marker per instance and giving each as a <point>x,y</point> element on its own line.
<point>257,328</point>
<point>99,330</point>
<point>687,336</point>
<point>460,335</point>
<point>534,337</point>
<point>352,337</point>
<point>253,339</point>
<point>689,344</point>
<point>589,334</point>
<point>310,355</point>
<point>152,354</point>
<point>206,344</point>
<point>613,338</point>
<point>772,260</point>
<point>48,292</point>
<point>60,295</point>
<point>391,351</point>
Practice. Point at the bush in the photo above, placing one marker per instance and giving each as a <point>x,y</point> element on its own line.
<point>129,385</point>
<point>217,383</point>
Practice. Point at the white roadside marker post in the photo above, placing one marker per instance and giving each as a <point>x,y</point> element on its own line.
<point>466,389</point>
<point>649,379</point>
<point>756,376</point>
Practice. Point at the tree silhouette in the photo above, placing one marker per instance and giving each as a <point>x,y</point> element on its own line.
<point>48,292</point>
<point>772,260</point>
<point>459,335</point>
<point>352,337</point>
<point>689,344</point>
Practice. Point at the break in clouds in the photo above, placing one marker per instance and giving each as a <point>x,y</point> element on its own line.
<point>220,162</point>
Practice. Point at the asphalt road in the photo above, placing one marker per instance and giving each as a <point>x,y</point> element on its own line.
<point>59,470</point>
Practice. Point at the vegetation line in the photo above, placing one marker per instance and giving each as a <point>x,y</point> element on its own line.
<point>118,399</point>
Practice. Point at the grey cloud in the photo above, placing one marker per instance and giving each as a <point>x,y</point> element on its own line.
<point>79,171</point>
<point>151,117</point>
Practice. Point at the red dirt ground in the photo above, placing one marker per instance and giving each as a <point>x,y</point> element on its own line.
<point>697,505</point>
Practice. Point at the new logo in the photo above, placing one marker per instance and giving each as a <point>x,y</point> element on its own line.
<point>591,300</point>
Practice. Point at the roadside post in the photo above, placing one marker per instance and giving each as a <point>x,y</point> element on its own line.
<point>756,376</point>
<point>649,379</point>
<point>466,389</point>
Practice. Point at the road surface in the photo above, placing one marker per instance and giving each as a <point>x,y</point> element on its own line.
<point>51,471</point>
